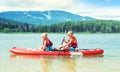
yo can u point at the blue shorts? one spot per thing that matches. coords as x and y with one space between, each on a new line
49 48
72 49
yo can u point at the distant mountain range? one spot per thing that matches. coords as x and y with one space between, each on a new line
45 17
7 21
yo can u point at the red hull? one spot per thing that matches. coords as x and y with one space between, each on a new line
25 51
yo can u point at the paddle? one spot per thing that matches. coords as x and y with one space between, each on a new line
61 47
61 44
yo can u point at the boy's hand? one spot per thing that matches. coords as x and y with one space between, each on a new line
63 39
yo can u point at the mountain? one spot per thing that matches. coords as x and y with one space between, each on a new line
7 21
42 17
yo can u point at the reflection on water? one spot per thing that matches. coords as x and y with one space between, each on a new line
13 56
52 63
46 64
68 64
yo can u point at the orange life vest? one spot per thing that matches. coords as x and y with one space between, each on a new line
49 43
74 42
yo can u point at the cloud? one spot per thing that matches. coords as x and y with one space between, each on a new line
74 6
107 13
35 4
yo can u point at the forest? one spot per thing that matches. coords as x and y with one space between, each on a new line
92 26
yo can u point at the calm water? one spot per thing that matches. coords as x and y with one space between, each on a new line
110 62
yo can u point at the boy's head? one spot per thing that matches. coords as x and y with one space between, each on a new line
70 33
44 35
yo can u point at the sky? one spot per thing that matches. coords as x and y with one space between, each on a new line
100 9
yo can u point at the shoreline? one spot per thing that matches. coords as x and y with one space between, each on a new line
55 33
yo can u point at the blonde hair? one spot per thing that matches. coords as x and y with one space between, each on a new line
70 32
44 34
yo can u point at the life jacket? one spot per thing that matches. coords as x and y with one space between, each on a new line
73 43
49 43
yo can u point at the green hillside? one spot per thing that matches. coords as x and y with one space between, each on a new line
92 26
7 26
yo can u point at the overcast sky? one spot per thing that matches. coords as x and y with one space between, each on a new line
100 9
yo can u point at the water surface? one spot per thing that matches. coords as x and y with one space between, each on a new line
110 62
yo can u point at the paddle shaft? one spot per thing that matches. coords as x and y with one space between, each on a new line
61 47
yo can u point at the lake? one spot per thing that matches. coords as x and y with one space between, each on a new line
108 62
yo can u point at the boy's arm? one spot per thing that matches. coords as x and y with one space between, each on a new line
44 46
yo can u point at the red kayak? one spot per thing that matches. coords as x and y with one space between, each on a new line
27 51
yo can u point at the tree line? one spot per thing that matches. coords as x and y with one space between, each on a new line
92 26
